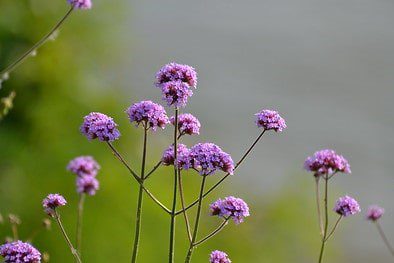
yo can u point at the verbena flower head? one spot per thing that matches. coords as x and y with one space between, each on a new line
98 125
81 4
374 212
87 185
326 162
347 206
53 201
153 114
20 252
83 166
182 155
270 120
219 257
230 207
208 158
176 93
176 72
187 124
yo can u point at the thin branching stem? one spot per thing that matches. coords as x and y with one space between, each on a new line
317 180
153 170
334 228
323 242
189 232
384 238
42 41
224 178
213 233
73 250
81 202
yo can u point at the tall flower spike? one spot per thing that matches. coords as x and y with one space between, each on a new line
98 125
327 162
230 207
347 206
176 72
53 201
81 4
20 252
87 184
219 257
270 120
83 166
153 114
208 158
187 124
374 212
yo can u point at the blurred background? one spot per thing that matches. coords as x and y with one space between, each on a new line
326 66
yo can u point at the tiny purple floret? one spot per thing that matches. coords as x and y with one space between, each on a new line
176 93
153 114
230 207
53 201
176 72
326 162
219 257
83 166
346 206
374 212
182 155
270 120
187 124
100 126
20 252
81 4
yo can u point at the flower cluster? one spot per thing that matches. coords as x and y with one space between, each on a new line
98 125
270 120
148 113
20 252
374 212
230 207
219 257
86 168
326 162
187 124
208 158
53 201
81 4
346 206
182 155
175 81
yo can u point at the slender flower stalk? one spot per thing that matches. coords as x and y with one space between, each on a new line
153 170
81 202
73 250
317 179
334 228
323 242
213 233
140 199
197 221
189 233
174 201
384 238
224 178
5 73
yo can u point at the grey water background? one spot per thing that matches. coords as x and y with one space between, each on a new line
325 65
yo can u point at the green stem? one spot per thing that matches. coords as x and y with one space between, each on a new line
189 233
73 250
224 178
213 233
323 243
196 224
384 238
174 201
140 200
318 206
334 228
79 221
42 41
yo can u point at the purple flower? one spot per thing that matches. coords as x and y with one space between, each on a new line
374 212
230 207
83 166
208 158
327 162
176 93
270 120
347 206
154 115
51 202
87 184
20 252
187 124
81 4
219 257
182 155
176 72
98 125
